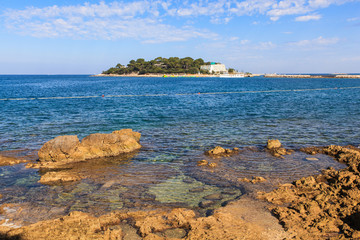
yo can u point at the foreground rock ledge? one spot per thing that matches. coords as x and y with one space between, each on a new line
325 206
68 148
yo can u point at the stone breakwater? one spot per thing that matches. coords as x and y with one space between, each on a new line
311 76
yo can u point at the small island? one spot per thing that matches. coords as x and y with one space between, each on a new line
170 67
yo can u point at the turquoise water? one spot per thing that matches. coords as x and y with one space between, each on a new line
180 121
177 124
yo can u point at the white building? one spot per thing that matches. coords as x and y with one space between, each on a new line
214 68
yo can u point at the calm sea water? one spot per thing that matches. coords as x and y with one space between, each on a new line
177 124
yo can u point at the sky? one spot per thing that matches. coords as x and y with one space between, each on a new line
258 36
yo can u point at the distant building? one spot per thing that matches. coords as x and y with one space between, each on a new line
214 68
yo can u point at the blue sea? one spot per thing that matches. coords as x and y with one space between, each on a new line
179 118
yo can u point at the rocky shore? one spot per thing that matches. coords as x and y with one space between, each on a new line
322 206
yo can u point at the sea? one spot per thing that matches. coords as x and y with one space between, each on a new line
179 119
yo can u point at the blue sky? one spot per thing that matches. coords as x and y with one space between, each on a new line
259 36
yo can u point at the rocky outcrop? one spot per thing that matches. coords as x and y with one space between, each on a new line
64 149
274 147
225 223
59 177
322 206
221 152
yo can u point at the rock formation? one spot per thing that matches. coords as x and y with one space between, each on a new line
323 206
274 147
65 149
5 161
221 152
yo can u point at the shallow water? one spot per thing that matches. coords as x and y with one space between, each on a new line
177 125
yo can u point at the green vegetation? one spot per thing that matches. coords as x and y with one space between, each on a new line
160 65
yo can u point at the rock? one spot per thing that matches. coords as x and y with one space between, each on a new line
258 180
8 161
315 206
243 180
59 177
206 203
273 143
212 165
1 196
196 190
64 149
229 192
274 147
202 162
221 152
312 159
214 196
176 233
216 151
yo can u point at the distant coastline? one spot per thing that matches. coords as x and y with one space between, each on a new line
340 76
312 75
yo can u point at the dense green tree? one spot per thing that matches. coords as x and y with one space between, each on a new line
160 65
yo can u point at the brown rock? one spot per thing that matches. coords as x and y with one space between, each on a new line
202 162
258 180
273 143
6 161
212 165
214 196
59 177
216 151
64 149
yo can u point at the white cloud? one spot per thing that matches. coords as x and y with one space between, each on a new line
308 18
145 19
137 20
354 19
317 42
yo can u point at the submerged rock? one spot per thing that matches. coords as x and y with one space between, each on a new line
59 177
64 149
7 161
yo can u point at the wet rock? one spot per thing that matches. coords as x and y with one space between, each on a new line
275 149
212 165
214 196
59 177
64 149
312 159
258 180
273 143
7 161
243 180
207 203
188 180
196 190
229 192
216 151
221 152
202 162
